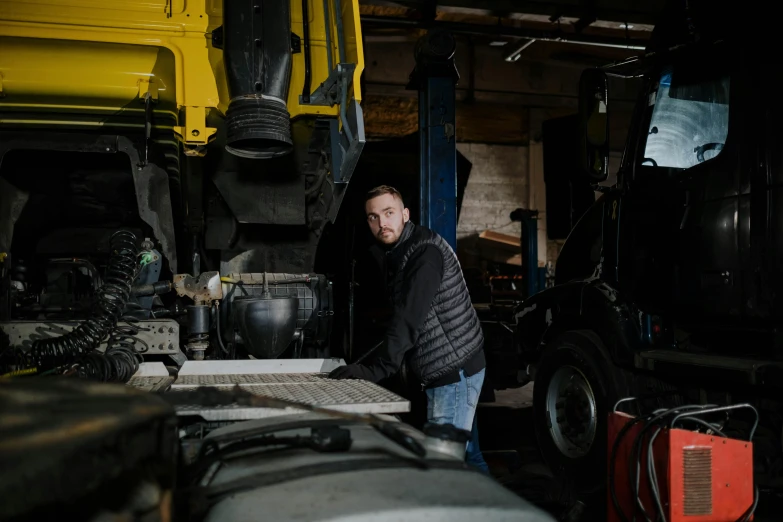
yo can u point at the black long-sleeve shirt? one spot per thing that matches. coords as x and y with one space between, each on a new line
421 279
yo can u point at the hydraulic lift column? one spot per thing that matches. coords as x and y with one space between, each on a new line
435 77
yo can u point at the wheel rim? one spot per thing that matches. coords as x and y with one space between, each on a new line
571 412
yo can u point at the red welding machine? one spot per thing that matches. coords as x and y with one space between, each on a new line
700 477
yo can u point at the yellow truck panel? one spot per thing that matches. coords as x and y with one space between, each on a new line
96 59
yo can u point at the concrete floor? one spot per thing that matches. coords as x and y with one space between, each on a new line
508 442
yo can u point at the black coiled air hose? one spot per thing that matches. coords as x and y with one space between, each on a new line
120 361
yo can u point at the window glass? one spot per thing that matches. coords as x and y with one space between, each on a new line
690 118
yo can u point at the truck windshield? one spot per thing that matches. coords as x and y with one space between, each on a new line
690 117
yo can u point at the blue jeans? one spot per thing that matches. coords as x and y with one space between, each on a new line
473 454
456 404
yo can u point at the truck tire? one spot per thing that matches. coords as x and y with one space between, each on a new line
575 387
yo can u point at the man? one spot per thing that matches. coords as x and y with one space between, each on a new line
434 325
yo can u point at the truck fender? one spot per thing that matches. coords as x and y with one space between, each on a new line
592 305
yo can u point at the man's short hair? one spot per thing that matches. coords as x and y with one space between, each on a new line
383 190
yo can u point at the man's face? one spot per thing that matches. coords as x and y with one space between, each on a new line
386 217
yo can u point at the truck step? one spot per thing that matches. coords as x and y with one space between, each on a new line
739 369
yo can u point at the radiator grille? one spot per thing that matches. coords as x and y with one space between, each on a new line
697 481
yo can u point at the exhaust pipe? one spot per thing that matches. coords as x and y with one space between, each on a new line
257 58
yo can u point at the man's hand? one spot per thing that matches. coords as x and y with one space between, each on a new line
352 371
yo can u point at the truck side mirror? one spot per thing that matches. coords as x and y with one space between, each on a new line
594 124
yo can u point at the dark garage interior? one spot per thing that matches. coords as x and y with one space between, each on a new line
390 260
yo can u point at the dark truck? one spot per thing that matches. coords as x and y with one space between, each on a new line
669 287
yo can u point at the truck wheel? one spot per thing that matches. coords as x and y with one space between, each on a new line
575 387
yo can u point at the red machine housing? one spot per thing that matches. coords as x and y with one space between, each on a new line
701 478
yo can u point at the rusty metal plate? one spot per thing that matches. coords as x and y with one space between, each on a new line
202 289
155 336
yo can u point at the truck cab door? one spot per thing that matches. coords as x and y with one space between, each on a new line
768 201
688 191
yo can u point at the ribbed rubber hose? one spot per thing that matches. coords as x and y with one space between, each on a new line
120 361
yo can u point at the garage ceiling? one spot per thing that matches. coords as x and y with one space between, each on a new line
596 31
519 61
608 10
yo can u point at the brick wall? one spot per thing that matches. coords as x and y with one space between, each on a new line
498 184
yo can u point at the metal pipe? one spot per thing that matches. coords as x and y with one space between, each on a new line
351 287
289 281
328 31
502 31
52 309
343 113
95 277
306 51
338 17
514 56
161 287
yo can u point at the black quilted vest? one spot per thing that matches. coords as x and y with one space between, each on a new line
451 334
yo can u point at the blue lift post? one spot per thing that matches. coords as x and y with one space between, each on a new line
535 277
435 77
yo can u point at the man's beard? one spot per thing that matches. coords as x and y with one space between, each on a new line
389 239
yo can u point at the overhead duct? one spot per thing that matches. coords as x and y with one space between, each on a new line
257 59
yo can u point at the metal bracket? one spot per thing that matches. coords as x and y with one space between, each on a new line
296 44
154 336
149 273
345 154
202 289
330 91
217 40
148 96
195 135
147 90
217 37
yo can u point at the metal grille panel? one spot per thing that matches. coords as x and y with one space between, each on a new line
325 393
314 389
697 481
151 384
155 336
250 379
308 301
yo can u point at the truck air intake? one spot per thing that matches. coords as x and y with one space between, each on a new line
257 58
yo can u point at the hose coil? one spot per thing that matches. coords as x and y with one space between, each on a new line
121 360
